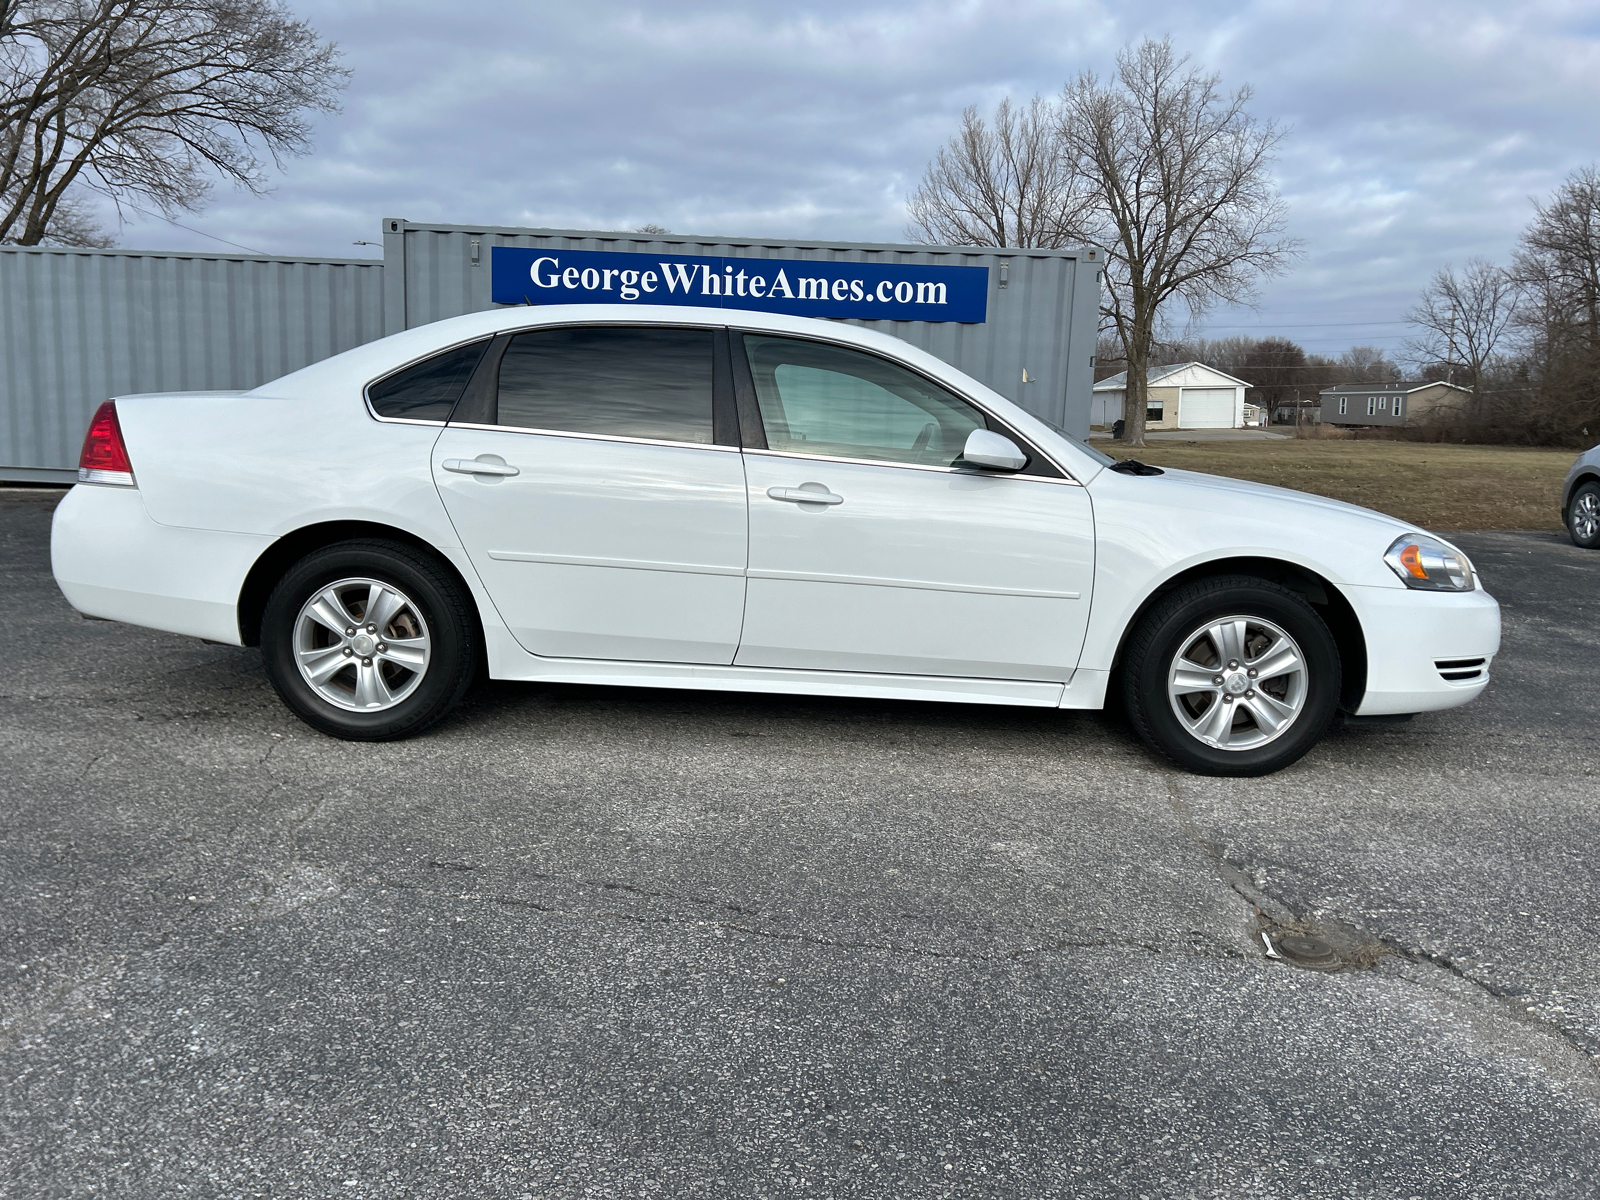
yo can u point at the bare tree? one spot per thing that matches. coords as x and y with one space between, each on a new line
148 99
652 228
1183 204
1003 184
1463 319
1276 370
1560 254
1366 364
1558 267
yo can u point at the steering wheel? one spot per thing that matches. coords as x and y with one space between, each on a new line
925 436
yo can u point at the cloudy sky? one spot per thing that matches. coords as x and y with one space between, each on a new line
1419 132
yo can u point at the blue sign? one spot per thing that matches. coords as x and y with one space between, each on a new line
799 287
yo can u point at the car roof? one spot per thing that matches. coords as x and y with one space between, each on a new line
373 359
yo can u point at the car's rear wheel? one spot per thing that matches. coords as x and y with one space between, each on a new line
1583 516
369 640
1231 676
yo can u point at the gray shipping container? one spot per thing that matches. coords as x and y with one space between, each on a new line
78 326
1043 312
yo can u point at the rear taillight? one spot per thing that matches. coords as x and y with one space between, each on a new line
105 457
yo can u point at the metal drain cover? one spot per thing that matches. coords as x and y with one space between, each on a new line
1309 952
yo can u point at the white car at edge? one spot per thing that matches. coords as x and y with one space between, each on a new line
699 498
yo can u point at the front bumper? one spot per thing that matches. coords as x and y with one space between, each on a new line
1425 650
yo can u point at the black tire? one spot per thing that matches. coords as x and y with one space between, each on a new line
1170 626
434 594
1586 501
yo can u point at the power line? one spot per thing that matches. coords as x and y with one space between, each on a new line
191 229
1314 325
1377 337
1259 369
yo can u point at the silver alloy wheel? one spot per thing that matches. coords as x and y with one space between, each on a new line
1586 516
361 645
1238 683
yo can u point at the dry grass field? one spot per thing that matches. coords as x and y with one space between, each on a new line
1436 486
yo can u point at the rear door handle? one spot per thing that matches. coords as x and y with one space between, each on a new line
471 466
801 495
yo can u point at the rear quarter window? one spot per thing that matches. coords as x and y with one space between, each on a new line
428 390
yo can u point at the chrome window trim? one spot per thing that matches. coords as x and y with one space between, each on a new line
437 350
1067 476
1066 480
592 437
940 383
403 420
366 387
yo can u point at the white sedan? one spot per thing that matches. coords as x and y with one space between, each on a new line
699 498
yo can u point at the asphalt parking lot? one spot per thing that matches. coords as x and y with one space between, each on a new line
585 942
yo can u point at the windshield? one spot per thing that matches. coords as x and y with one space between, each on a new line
1105 460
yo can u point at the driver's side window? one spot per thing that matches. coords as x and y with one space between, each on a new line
830 400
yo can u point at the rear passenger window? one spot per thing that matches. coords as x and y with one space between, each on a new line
428 390
617 382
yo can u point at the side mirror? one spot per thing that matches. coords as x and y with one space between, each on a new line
986 448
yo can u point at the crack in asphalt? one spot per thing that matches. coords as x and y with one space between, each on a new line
1581 1042
1230 873
638 891
1056 946
609 885
1276 911
312 809
271 750
1053 945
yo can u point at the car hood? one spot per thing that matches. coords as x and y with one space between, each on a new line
1244 488
1179 518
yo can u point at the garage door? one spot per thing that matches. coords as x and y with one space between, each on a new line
1205 408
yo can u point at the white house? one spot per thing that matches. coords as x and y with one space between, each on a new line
1187 395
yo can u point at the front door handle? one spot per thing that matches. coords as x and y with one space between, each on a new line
471 466
813 493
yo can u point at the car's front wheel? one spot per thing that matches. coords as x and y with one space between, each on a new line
1583 516
1232 676
369 640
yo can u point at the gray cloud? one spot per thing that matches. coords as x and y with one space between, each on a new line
1418 132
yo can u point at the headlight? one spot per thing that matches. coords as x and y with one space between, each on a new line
1427 563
